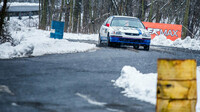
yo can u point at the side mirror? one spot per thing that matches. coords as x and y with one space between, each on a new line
108 25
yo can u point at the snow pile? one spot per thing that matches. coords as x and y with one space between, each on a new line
189 43
137 85
81 36
30 41
22 50
143 86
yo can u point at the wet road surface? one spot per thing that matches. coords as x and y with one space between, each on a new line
79 82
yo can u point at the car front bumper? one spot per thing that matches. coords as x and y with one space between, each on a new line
124 40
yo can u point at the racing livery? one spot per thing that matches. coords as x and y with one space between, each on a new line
118 30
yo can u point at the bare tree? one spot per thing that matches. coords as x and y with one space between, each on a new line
43 21
186 18
4 34
87 16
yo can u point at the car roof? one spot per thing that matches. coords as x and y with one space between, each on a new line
124 16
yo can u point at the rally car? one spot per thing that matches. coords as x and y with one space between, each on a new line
117 30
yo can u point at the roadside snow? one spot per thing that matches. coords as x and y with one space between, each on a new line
143 86
137 85
30 41
81 36
189 43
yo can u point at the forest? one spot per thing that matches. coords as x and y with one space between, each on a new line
86 16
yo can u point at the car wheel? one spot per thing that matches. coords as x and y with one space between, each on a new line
146 47
99 41
136 46
117 45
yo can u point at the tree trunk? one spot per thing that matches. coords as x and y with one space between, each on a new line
192 18
2 17
44 15
4 34
67 15
39 12
158 13
86 15
76 15
51 10
71 15
143 11
186 19
61 10
151 12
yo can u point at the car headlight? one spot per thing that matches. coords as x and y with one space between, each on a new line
116 32
146 34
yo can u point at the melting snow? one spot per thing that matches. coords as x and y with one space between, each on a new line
31 41
143 86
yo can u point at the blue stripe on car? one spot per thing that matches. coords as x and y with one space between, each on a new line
130 40
140 32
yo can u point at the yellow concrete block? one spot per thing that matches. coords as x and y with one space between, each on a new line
177 89
176 105
176 69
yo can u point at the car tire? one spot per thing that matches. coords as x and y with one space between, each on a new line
117 45
136 46
146 47
99 41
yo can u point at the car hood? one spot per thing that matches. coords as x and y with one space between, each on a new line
129 30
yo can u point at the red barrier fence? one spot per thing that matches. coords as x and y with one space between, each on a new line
171 31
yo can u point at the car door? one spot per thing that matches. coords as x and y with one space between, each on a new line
103 29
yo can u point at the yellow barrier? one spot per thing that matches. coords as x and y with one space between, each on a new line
176 86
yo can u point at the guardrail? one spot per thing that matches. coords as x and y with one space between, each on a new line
22 11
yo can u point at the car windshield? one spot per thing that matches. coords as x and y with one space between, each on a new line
126 22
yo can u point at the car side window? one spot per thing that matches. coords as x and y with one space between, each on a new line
110 19
105 21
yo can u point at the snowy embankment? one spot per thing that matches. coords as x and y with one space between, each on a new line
188 43
30 41
81 36
143 86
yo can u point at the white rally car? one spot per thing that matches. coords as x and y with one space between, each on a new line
118 30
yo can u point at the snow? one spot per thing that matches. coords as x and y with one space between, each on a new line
188 43
81 36
30 41
143 86
140 86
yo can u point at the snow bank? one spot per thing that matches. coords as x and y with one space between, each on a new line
81 36
137 85
30 41
22 50
189 43
143 86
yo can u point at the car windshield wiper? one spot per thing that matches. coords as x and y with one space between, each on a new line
131 26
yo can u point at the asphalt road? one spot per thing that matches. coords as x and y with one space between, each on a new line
79 82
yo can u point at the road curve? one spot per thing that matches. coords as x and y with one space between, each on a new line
79 82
